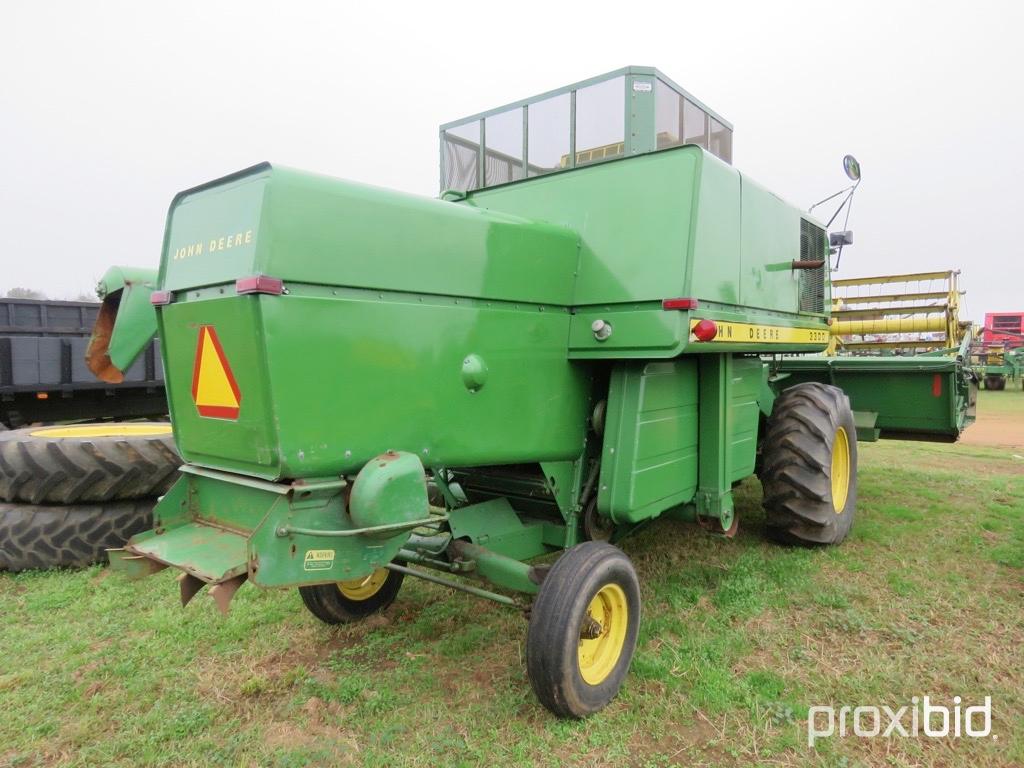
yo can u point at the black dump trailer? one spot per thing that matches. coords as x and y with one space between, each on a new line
44 377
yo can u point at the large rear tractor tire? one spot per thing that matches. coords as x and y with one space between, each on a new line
995 383
348 601
809 465
583 629
74 536
87 463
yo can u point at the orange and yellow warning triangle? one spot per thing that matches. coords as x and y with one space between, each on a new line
214 388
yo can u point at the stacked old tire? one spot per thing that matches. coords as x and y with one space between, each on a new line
69 493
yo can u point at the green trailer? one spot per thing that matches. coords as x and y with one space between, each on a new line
593 326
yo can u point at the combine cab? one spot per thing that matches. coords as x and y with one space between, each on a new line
584 333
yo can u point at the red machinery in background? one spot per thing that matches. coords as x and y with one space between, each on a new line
1005 328
1000 355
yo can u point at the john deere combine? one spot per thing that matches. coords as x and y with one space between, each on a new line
568 344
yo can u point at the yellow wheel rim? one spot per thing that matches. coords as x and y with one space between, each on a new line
601 642
840 470
104 430
364 589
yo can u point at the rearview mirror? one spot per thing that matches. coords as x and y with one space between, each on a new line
852 167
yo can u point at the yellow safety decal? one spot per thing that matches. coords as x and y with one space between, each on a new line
749 333
214 388
318 560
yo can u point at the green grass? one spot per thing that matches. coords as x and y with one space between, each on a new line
739 638
1005 403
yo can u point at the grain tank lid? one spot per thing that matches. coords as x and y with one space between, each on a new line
252 170
308 228
212 230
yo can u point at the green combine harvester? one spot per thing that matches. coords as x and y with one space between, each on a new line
600 322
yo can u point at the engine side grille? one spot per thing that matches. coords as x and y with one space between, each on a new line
812 281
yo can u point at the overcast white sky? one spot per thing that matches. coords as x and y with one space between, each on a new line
109 108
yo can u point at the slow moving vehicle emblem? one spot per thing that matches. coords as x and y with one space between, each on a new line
214 388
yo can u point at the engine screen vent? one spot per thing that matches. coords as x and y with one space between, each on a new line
812 281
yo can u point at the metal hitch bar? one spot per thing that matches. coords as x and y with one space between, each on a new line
288 530
503 599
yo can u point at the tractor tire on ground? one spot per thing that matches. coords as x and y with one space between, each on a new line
809 465
348 601
34 536
995 383
87 463
583 629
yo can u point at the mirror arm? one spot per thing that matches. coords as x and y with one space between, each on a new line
833 197
848 202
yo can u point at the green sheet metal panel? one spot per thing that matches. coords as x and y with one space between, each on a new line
211 553
388 374
213 231
679 222
406 324
728 414
769 225
744 414
674 223
129 290
633 218
649 460
302 227
494 524
216 525
247 443
716 261
330 378
650 332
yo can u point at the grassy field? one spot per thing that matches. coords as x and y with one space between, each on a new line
739 638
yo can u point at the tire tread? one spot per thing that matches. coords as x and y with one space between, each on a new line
73 536
796 465
550 663
39 470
